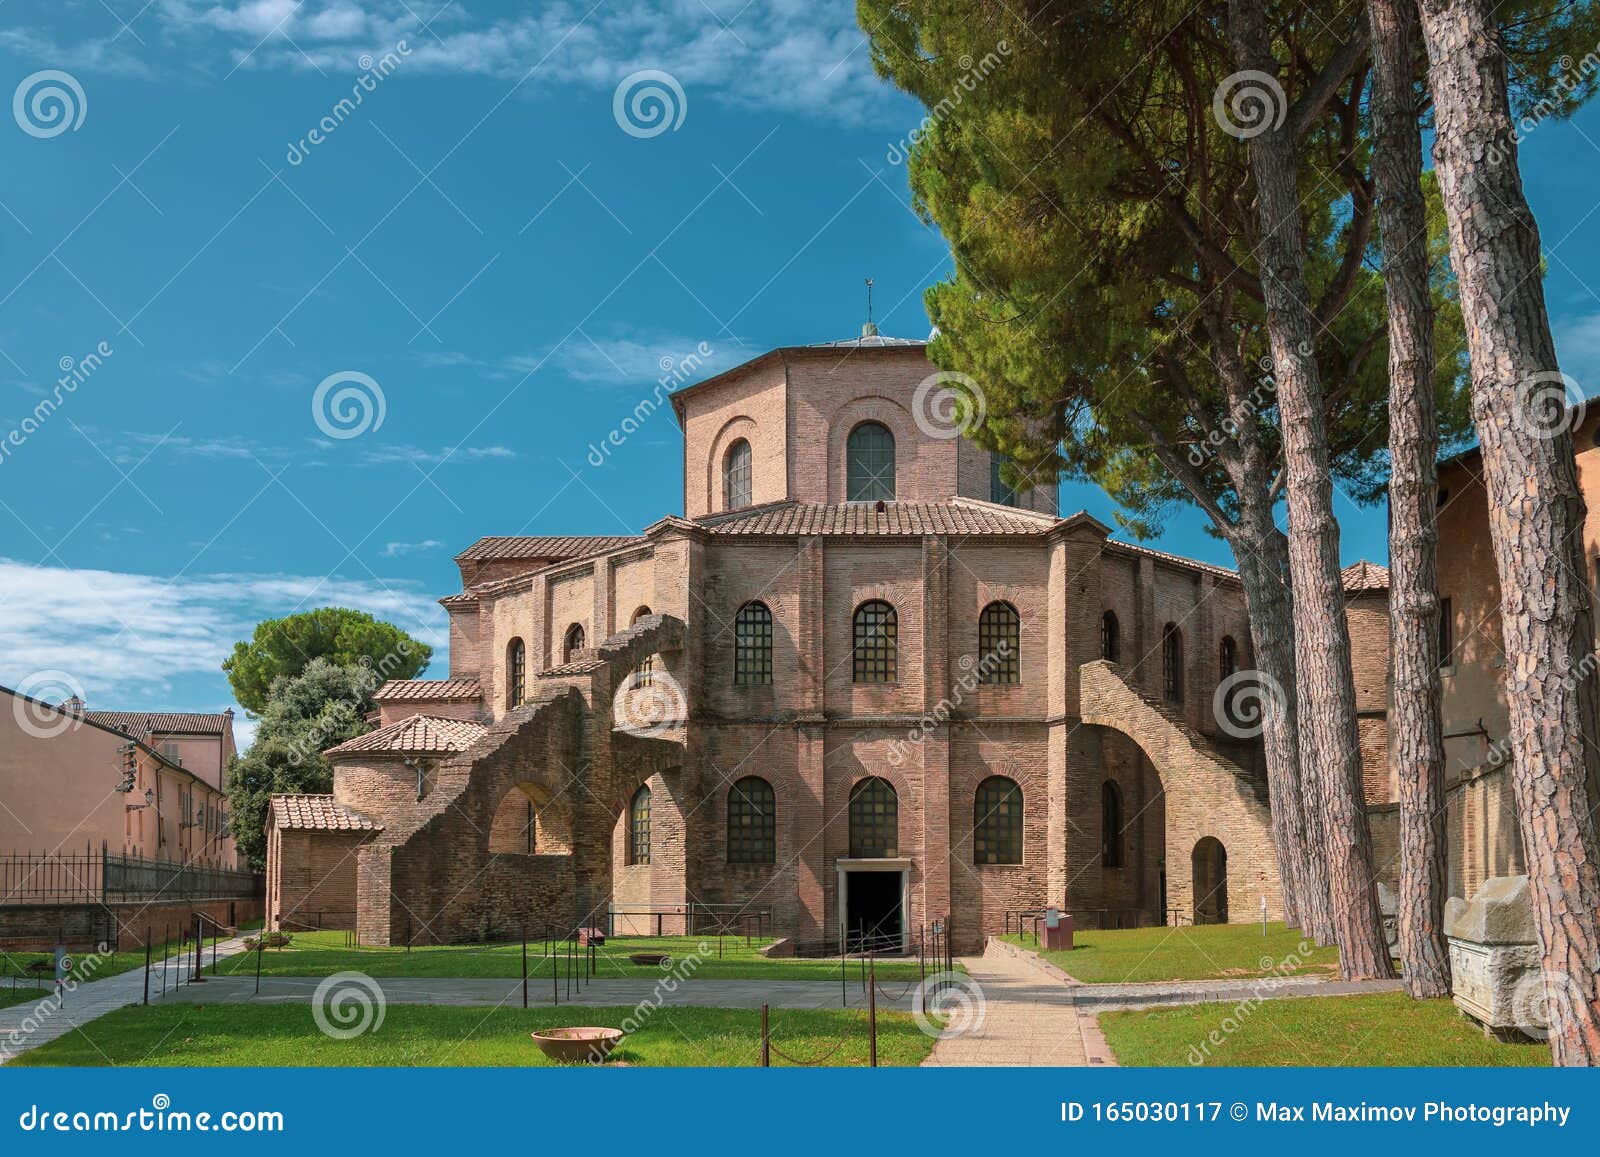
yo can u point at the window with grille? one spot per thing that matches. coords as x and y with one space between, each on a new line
869 463
516 673
639 827
645 672
1110 637
752 822
1172 663
572 643
999 641
875 638
736 476
874 820
1110 824
999 491
752 646
997 822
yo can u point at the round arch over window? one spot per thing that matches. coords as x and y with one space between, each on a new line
1110 824
752 822
645 672
752 645
874 820
999 644
997 822
875 633
639 827
516 673
869 463
737 476
572 642
1110 637
1172 663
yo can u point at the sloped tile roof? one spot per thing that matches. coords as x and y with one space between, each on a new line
143 724
956 516
437 689
1175 559
415 735
870 341
318 813
1365 576
544 546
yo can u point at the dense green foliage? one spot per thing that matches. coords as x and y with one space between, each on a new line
344 637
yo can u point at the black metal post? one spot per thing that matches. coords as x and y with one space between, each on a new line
766 1041
147 949
872 1010
524 966
261 942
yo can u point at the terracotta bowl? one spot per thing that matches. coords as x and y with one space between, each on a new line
655 959
573 1046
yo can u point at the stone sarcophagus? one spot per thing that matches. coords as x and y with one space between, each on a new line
1494 959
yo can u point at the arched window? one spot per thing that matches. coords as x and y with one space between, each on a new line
1172 663
876 633
1110 824
752 645
874 820
1228 657
1110 637
999 643
646 670
572 642
869 463
998 490
516 673
997 822
736 476
639 827
752 822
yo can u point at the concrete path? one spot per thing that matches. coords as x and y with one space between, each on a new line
1106 997
1028 1018
29 1025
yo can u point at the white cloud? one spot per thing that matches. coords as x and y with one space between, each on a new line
637 360
397 549
129 638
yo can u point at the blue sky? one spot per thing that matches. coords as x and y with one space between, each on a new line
481 238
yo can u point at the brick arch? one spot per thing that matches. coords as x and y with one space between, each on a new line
735 428
873 408
1206 794
528 803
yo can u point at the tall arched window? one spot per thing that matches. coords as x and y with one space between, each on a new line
874 820
1110 824
876 635
736 476
752 822
646 670
999 644
1228 657
516 673
1172 663
997 822
1110 637
572 642
639 826
869 463
752 645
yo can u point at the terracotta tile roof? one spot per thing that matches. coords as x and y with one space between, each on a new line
415 735
438 689
318 813
544 546
575 667
957 516
143 724
1365 576
1175 559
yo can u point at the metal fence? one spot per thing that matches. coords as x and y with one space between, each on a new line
102 877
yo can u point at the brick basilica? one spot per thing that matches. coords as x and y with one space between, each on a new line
859 685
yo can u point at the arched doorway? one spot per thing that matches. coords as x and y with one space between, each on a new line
1210 863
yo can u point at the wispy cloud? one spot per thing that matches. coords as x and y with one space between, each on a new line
399 549
639 359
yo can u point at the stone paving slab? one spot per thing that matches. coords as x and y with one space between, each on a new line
1028 1019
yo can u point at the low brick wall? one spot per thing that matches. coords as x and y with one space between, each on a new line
81 927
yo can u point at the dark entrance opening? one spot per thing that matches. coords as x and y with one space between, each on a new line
873 917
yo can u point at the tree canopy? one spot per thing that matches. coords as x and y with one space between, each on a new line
344 637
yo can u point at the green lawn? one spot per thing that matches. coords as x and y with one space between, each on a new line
324 953
1207 952
22 994
285 1035
86 965
1330 1031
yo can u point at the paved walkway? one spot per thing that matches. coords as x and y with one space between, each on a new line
27 1026
1106 997
1028 1019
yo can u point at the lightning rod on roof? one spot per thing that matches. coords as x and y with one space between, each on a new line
869 330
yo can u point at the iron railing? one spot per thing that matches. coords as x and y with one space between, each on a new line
102 877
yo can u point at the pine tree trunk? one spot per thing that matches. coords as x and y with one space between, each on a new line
1416 741
1536 511
1322 635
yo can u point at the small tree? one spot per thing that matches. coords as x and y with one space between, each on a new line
343 636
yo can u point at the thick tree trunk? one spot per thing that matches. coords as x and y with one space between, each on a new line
1416 742
1322 635
1536 511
